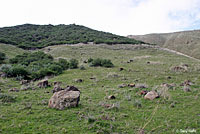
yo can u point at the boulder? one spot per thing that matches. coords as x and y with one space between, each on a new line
64 99
57 88
43 84
143 92
151 95
186 83
111 97
186 89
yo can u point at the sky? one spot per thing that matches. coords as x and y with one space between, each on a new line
122 17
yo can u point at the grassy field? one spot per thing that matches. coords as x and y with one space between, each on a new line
175 111
10 50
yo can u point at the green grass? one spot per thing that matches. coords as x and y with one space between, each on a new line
10 50
30 112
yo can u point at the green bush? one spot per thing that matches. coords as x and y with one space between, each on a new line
63 63
18 71
101 62
2 56
73 63
107 63
36 65
5 68
56 69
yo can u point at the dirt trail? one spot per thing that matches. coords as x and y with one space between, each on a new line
173 51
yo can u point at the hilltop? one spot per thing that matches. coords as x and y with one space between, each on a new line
186 42
29 36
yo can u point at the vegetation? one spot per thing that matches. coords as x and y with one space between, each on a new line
2 57
186 42
36 65
10 50
30 36
100 62
128 113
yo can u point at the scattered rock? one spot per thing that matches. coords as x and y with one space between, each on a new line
141 86
64 99
29 87
143 92
121 69
151 95
130 60
122 86
92 78
186 83
57 83
78 80
186 89
131 85
107 105
71 88
14 90
169 77
111 97
148 62
43 84
57 88
179 68
22 82
168 85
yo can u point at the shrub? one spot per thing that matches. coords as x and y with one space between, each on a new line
2 57
56 69
90 60
96 62
63 63
100 62
82 67
5 68
73 63
18 71
107 63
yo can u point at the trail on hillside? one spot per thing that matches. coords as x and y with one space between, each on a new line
176 52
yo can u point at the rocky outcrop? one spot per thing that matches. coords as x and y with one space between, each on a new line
69 97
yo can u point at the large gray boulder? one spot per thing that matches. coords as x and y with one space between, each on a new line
151 95
64 99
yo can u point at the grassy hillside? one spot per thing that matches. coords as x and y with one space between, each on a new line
38 36
187 42
176 110
10 50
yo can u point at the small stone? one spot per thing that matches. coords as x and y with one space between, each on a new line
131 85
122 86
78 80
111 97
151 95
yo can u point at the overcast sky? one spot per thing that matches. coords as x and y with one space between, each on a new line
122 17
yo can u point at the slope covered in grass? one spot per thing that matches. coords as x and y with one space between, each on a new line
10 50
186 42
130 113
37 36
